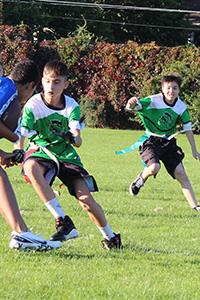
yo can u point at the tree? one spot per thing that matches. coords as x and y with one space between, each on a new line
111 24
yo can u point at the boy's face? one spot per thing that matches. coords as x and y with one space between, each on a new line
53 86
171 91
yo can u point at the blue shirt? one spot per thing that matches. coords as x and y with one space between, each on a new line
8 93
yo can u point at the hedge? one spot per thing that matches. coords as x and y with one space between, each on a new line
104 75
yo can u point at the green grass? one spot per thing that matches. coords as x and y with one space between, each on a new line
160 233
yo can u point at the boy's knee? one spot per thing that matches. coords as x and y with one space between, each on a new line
180 175
30 167
154 168
86 202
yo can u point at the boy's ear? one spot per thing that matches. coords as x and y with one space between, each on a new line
32 85
29 85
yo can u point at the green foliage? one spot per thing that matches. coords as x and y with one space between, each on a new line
113 25
94 112
75 45
14 13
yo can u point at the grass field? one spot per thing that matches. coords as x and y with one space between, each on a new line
160 233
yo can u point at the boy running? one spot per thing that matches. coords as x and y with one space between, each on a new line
13 90
160 115
51 122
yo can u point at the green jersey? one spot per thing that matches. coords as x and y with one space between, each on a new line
40 121
161 118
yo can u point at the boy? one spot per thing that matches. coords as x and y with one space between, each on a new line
51 122
13 90
160 115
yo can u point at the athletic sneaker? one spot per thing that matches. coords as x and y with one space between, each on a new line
197 208
136 185
113 243
29 241
65 230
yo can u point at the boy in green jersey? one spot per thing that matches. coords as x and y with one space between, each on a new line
51 121
160 114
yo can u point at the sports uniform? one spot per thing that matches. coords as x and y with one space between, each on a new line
160 120
41 123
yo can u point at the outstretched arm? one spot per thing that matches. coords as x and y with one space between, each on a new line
131 103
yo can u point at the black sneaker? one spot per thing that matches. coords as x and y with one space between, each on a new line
136 185
65 230
113 243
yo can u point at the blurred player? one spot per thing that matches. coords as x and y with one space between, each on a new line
16 88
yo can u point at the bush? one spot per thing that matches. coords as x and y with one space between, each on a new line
105 75
114 72
93 111
15 44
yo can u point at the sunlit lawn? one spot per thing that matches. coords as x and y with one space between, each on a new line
160 233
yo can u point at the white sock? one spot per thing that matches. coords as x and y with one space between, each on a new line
107 232
55 208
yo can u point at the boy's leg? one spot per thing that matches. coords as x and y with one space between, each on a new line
150 153
21 238
139 181
8 205
187 189
96 214
88 203
36 174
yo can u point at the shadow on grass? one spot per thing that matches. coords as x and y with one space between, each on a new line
74 256
142 249
131 214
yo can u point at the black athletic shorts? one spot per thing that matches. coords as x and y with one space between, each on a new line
68 174
156 149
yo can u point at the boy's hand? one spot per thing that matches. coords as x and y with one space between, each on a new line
131 103
6 159
67 136
18 156
196 155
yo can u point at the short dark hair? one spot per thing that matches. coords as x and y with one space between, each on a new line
26 71
58 67
172 77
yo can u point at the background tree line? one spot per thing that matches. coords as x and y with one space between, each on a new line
112 25
103 74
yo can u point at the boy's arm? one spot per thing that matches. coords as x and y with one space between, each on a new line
132 102
77 137
73 136
20 143
6 158
6 133
190 137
